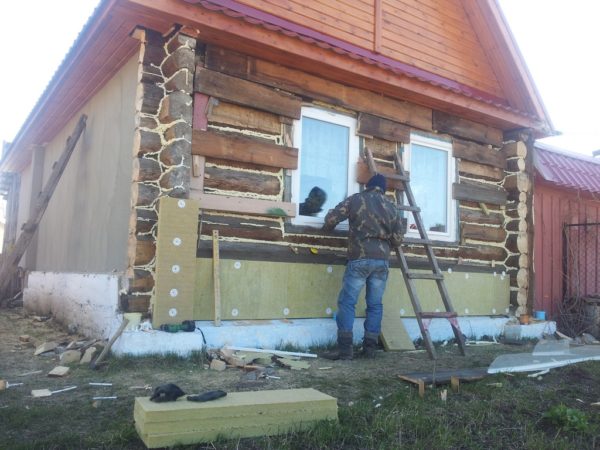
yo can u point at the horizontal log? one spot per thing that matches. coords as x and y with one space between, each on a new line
518 181
237 147
243 205
246 92
317 88
382 148
483 233
146 169
515 149
143 194
134 303
242 165
523 278
243 228
142 281
512 261
516 225
515 165
517 243
363 174
474 152
478 216
479 192
482 252
473 169
370 125
223 113
141 252
236 180
457 126
312 240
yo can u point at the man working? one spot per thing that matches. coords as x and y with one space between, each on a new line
375 227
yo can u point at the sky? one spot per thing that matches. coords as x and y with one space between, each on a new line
558 38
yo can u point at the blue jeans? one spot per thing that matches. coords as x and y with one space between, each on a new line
373 272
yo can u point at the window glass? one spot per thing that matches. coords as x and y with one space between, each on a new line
429 181
324 163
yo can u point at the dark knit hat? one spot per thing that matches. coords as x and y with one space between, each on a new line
377 180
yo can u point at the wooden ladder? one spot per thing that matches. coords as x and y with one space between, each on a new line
423 318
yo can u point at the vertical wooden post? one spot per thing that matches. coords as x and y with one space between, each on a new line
377 22
216 278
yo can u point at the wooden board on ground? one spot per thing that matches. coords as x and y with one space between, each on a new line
239 414
445 376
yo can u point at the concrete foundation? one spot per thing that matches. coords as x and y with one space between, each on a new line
303 333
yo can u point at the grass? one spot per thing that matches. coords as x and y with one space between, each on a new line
376 409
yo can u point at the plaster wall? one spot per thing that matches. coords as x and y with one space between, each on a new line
85 226
87 301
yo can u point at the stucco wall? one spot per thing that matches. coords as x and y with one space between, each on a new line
85 226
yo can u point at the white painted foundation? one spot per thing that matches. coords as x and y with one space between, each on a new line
303 333
87 301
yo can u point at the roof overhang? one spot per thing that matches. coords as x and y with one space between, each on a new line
105 44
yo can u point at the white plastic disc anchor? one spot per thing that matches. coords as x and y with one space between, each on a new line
173 312
181 203
237 265
234 312
286 311
176 242
175 268
173 292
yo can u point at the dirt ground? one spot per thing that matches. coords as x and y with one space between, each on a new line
344 380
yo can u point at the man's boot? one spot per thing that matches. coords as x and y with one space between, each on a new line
344 348
370 342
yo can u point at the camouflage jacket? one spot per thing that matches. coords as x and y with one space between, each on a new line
375 224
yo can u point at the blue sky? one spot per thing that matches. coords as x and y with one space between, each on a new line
558 38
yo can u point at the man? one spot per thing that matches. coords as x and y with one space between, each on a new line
375 227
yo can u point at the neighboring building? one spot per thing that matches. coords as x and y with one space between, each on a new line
239 108
567 227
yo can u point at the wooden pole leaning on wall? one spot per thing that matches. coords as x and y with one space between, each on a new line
216 277
11 262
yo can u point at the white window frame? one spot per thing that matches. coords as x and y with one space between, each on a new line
353 154
444 145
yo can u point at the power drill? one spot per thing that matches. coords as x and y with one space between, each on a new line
186 325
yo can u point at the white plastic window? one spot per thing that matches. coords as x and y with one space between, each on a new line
328 152
431 168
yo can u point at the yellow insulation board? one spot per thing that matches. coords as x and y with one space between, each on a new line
175 277
239 414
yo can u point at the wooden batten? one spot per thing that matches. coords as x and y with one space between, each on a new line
229 114
240 181
479 192
363 174
374 126
246 92
454 125
477 153
235 147
480 170
244 205
317 88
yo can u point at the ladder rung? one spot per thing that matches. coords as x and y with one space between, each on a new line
438 315
424 276
397 176
409 208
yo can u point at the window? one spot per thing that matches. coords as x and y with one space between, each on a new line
328 152
431 168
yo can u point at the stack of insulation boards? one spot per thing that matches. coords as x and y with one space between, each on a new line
239 414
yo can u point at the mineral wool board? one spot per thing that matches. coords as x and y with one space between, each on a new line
277 290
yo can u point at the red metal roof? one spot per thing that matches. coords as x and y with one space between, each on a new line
567 169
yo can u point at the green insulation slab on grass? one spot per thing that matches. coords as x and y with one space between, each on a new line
239 414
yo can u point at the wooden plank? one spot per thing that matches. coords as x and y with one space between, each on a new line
216 278
200 120
454 125
237 147
246 93
197 178
28 232
363 174
226 179
479 192
318 88
483 233
224 113
444 376
244 205
377 26
478 153
371 125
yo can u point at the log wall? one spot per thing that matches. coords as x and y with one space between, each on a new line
245 144
161 153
